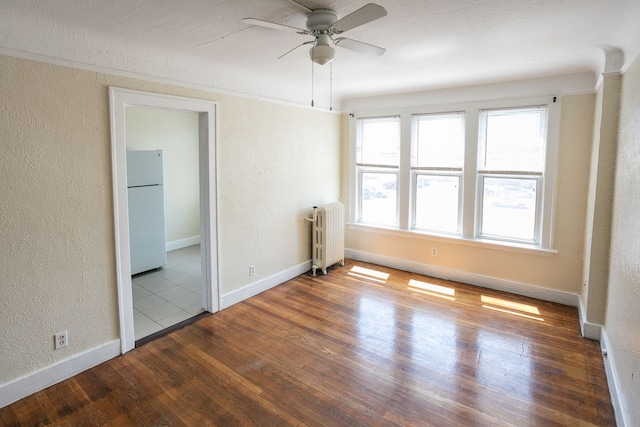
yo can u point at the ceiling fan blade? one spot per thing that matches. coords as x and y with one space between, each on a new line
367 13
267 24
300 45
360 47
306 9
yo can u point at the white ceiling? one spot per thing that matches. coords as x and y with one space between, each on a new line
430 44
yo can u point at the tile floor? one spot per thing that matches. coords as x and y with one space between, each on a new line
164 297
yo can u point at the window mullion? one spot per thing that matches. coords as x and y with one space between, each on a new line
469 174
404 188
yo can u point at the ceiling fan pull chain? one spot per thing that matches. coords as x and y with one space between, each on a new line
331 86
312 95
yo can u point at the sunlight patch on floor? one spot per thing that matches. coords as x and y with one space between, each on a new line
369 274
432 289
511 307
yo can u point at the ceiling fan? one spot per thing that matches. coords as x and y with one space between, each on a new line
323 24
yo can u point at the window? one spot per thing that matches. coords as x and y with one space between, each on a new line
378 162
511 151
481 172
436 171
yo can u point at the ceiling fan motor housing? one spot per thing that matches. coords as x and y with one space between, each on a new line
320 25
320 20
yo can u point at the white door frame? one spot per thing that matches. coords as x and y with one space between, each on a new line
207 112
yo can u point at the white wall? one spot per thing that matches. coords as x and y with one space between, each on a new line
176 133
622 321
57 258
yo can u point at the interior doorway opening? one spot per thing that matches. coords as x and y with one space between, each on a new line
163 194
168 292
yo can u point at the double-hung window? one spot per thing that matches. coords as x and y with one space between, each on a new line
436 171
378 163
482 172
511 160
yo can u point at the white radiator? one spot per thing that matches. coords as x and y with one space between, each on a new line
327 236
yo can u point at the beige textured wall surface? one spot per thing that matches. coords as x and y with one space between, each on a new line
591 197
57 258
176 133
56 215
600 202
276 162
622 321
563 271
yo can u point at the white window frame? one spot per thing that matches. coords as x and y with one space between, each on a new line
470 203
363 168
538 176
434 171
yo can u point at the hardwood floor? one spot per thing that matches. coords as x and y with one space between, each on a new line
363 346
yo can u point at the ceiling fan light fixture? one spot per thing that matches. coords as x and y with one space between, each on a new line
322 54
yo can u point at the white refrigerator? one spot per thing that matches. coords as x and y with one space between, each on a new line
146 210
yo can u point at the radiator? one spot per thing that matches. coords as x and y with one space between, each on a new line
327 236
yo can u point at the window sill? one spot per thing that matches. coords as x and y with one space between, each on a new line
481 243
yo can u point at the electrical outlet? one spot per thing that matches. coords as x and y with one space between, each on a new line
252 270
434 251
60 340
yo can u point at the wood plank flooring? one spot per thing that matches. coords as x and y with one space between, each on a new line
363 346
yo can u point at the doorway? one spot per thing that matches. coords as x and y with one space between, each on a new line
163 194
125 104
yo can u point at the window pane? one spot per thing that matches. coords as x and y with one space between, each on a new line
378 198
437 199
512 140
379 141
509 208
439 141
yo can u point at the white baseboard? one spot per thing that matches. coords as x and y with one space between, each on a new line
234 297
589 330
612 380
518 288
22 387
182 243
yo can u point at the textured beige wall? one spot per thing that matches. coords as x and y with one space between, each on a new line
57 260
562 272
591 198
600 200
176 133
622 321
276 163
56 215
